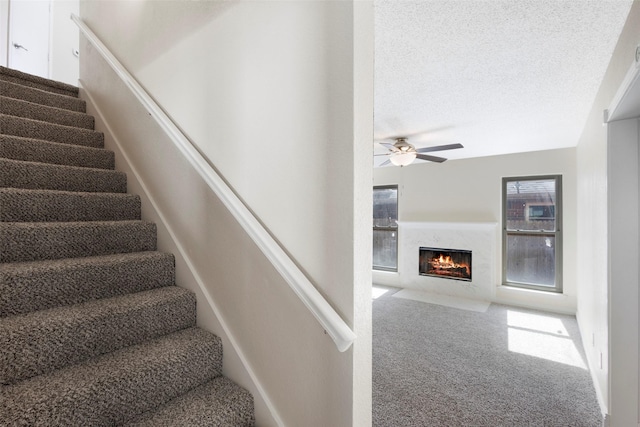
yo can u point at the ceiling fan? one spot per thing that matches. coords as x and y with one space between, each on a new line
402 153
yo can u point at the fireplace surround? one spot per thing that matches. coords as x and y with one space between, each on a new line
481 238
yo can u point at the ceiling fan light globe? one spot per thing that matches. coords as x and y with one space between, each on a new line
403 159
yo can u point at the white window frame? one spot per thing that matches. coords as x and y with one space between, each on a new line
557 234
389 228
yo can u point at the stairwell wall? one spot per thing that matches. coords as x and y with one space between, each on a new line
268 92
593 275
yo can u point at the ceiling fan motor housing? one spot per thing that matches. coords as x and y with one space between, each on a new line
402 145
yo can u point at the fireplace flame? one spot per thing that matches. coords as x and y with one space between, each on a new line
446 263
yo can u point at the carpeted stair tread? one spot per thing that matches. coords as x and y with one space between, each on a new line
33 111
32 241
26 205
25 79
40 285
46 340
220 402
27 128
43 97
37 150
115 387
93 329
44 176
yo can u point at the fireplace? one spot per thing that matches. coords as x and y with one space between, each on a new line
446 263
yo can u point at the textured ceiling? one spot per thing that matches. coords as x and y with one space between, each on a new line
496 76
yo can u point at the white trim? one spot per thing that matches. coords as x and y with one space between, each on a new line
623 212
633 74
50 39
332 323
184 254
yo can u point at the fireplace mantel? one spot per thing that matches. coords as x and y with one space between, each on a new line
479 237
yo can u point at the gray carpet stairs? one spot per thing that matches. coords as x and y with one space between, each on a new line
93 329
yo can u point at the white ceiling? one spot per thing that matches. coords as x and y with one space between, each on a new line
498 76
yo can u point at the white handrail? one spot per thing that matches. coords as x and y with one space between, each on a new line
332 323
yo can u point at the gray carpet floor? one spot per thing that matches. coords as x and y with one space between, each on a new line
441 366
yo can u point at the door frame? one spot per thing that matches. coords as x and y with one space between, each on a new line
4 34
623 192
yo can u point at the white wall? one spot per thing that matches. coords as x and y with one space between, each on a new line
363 101
593 314
64 65
269 93
469 190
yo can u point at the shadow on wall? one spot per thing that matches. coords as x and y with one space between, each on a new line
160 24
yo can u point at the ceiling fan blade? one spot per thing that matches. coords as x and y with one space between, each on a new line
389 146
430 158
383 154
385 163
439 148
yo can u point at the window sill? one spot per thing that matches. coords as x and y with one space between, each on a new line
536 299
379 270
525 289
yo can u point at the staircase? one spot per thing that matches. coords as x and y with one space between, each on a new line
93 330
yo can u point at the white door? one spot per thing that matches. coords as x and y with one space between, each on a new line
29 22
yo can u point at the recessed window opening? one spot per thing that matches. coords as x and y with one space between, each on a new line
532 232
385 228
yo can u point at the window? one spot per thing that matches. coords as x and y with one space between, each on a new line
532 236
385 228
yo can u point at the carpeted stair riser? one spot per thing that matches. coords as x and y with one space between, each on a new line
219 402
36 150
36 129
46 340
29 241
40 285
116 387
20 205
91 322
29 80
42 97
32 175
33 111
